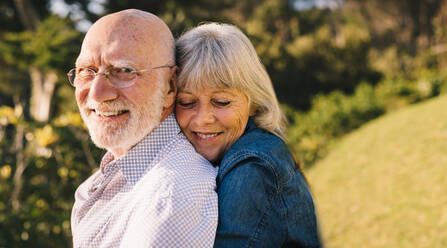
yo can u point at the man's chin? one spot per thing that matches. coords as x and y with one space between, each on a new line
119 140
107 142
106 137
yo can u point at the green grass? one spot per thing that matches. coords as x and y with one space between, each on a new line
385 184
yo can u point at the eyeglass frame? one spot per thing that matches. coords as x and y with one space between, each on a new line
107 73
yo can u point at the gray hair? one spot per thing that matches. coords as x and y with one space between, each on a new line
221 56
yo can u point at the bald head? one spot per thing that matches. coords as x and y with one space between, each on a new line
141 31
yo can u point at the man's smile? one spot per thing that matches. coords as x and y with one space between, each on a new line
109 113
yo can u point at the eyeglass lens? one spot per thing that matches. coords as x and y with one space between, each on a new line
118 77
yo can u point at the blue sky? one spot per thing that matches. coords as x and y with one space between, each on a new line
308 4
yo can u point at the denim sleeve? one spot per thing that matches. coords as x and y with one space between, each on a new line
255 211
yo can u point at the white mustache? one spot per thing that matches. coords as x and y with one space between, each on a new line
109 106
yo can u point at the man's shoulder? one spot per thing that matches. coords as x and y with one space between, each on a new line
182 171
92 179
182 157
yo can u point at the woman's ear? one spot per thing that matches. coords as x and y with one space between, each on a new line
251 108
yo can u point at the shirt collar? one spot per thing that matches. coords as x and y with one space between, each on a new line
250 125
138 159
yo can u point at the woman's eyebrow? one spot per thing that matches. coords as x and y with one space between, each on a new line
184 92
225 92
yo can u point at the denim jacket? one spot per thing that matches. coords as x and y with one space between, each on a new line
264 200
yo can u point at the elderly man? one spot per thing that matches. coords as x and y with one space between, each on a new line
152 188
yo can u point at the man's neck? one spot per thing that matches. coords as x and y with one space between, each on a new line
118 152
166 112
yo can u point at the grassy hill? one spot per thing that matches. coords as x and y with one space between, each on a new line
385 185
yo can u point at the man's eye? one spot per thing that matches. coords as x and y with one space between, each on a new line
121 70
84 72
127 70
123 74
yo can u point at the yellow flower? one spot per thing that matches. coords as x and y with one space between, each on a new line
5 171
71 118
46 136
7 115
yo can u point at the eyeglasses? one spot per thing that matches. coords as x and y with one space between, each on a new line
118 77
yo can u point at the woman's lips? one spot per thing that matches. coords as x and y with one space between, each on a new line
207 136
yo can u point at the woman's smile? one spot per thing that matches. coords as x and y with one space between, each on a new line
206 136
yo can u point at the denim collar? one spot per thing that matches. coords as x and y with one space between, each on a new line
251 125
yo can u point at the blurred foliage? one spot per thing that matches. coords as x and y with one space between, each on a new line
47 47
330 117
308 53
59 156
333 69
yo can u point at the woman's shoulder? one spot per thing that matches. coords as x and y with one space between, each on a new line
260 150
257 141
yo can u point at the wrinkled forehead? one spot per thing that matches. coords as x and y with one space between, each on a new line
126 36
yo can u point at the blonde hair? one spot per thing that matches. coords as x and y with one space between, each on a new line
221 56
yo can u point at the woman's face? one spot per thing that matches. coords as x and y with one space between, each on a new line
212 119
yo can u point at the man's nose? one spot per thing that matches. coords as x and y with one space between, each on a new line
101 90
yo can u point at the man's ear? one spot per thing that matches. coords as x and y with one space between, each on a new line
171 89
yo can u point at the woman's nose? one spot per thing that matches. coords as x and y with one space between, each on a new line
205 115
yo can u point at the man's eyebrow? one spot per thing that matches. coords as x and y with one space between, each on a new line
83 62
118 63
123 63
86 61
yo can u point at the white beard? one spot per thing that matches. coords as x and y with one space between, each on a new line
124 135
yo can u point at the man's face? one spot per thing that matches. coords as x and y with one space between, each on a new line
118 118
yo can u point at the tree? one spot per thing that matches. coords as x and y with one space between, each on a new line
409 23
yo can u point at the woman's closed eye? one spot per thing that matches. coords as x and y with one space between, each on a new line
221 103
186 104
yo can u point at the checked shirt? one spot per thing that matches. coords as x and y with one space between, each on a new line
161 193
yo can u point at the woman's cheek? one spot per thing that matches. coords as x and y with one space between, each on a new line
181 117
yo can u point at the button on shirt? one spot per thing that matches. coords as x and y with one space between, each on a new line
161 193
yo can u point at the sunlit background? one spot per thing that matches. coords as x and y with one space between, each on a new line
363 83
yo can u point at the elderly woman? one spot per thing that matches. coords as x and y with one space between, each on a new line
227 108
